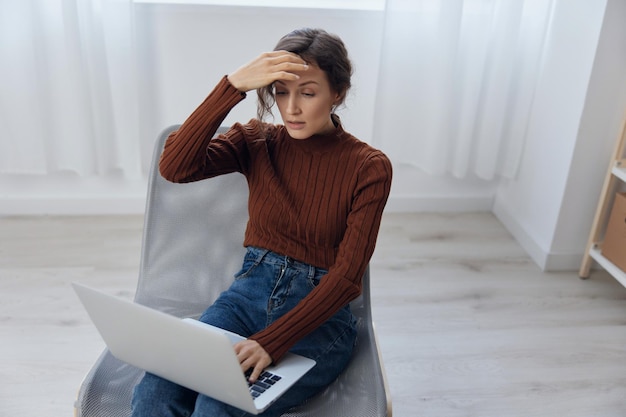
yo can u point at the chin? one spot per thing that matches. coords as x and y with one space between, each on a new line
298 134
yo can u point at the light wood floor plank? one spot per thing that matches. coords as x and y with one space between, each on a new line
468 325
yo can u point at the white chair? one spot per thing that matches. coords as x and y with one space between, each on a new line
192 246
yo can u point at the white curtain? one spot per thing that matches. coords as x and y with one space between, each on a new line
457 81
69 99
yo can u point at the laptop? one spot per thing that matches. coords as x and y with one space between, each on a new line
186 351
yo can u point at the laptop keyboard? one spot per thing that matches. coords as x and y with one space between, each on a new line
265 381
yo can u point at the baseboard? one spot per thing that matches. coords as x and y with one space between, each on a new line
564 262
546 260
135 204
72 206
423 204
538 254
71 195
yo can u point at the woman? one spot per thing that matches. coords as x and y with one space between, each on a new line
316 199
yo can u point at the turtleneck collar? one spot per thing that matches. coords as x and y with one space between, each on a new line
321 142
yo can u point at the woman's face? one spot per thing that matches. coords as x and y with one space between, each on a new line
305 104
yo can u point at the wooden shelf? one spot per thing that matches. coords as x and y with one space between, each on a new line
619 171
609 266
615 178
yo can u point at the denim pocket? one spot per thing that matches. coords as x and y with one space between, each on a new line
245 271
314 281
251 260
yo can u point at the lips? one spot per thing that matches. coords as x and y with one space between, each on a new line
295 125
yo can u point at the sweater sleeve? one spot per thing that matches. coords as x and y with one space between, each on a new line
343 283
191 153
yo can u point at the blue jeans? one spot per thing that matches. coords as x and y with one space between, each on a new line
268 286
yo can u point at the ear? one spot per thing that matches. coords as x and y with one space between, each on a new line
338 98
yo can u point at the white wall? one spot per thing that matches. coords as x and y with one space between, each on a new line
575 120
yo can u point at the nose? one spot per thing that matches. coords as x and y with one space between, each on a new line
293 106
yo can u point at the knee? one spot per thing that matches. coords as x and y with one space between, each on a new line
154 396
210 407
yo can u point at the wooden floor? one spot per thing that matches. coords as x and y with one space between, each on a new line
468 325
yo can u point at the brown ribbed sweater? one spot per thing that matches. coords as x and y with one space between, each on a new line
318 200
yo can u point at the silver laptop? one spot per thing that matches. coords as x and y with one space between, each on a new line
186 351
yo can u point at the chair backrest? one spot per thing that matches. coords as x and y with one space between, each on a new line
193 239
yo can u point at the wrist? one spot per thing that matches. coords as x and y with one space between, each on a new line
235 83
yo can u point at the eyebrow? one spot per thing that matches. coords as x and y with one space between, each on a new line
299 85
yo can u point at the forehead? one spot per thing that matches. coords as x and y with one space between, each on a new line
311 77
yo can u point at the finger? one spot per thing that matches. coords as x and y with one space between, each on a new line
241 352
287 55
291 66
289 62
256 372
252 369
246 366
285 76
288 72
245 354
